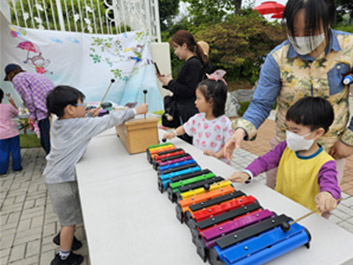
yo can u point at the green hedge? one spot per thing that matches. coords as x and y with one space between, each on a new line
29 141
347 28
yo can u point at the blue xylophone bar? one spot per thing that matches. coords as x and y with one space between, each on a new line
178 164
165 178
262 248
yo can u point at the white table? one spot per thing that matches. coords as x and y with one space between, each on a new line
128 221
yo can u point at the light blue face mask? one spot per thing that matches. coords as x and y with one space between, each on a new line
297 142
305 45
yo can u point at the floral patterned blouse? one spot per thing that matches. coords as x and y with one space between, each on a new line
287 77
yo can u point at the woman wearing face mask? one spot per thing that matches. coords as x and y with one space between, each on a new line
191 73
312 62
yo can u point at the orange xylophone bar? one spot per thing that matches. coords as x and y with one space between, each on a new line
183 206
152 151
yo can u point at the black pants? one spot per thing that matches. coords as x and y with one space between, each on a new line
44 127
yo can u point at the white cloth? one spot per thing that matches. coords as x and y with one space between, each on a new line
88 62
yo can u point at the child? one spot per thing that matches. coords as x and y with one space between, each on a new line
306 173
70 135
210 128
9 136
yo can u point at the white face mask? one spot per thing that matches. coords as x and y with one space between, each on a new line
297 142
305 45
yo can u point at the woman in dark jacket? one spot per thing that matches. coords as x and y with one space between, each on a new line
191 73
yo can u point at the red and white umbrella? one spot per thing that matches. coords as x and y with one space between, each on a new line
269 7
277 15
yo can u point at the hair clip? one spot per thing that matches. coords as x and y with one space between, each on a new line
217 75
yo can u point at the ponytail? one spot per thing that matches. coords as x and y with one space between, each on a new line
201 54
183 36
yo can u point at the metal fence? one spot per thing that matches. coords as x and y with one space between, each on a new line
89 16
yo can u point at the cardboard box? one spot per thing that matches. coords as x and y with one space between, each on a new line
138 134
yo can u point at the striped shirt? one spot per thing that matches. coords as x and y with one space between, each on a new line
34 88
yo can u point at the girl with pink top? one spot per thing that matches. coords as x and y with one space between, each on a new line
210 128
9 136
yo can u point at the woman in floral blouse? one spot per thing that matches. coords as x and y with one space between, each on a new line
312 62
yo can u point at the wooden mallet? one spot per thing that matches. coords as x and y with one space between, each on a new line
106 92
144 100
286 226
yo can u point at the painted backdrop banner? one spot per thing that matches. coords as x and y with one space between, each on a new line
88 62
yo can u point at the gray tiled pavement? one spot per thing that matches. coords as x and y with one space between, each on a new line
28 223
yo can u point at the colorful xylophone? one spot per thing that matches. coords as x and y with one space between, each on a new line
227 226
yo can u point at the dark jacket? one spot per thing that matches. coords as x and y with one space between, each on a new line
184 87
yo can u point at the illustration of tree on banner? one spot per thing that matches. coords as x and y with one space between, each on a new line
121 50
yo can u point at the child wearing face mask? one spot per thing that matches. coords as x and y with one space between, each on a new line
306 173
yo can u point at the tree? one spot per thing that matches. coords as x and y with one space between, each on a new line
240 44
168 9
344 7
212 11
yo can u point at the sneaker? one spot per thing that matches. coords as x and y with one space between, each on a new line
76 244
72 259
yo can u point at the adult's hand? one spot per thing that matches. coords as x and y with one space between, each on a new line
164 79
31 123
341 150
233 142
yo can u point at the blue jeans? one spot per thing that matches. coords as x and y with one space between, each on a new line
44 127
7 146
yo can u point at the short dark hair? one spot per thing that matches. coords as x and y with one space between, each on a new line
60 97
217 90
314 112
317 13
1 95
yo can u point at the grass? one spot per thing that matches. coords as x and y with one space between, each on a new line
29 141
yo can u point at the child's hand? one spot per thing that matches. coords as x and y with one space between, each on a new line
208 152
142 109
169 135
8 95
95 112
239 177
325 202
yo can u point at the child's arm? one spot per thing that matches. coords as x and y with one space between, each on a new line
263 163
239 177
218 154
330 191
94 126
325 202
178 131
10 99
93 112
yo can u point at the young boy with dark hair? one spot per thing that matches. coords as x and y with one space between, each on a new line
306 173
70 135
